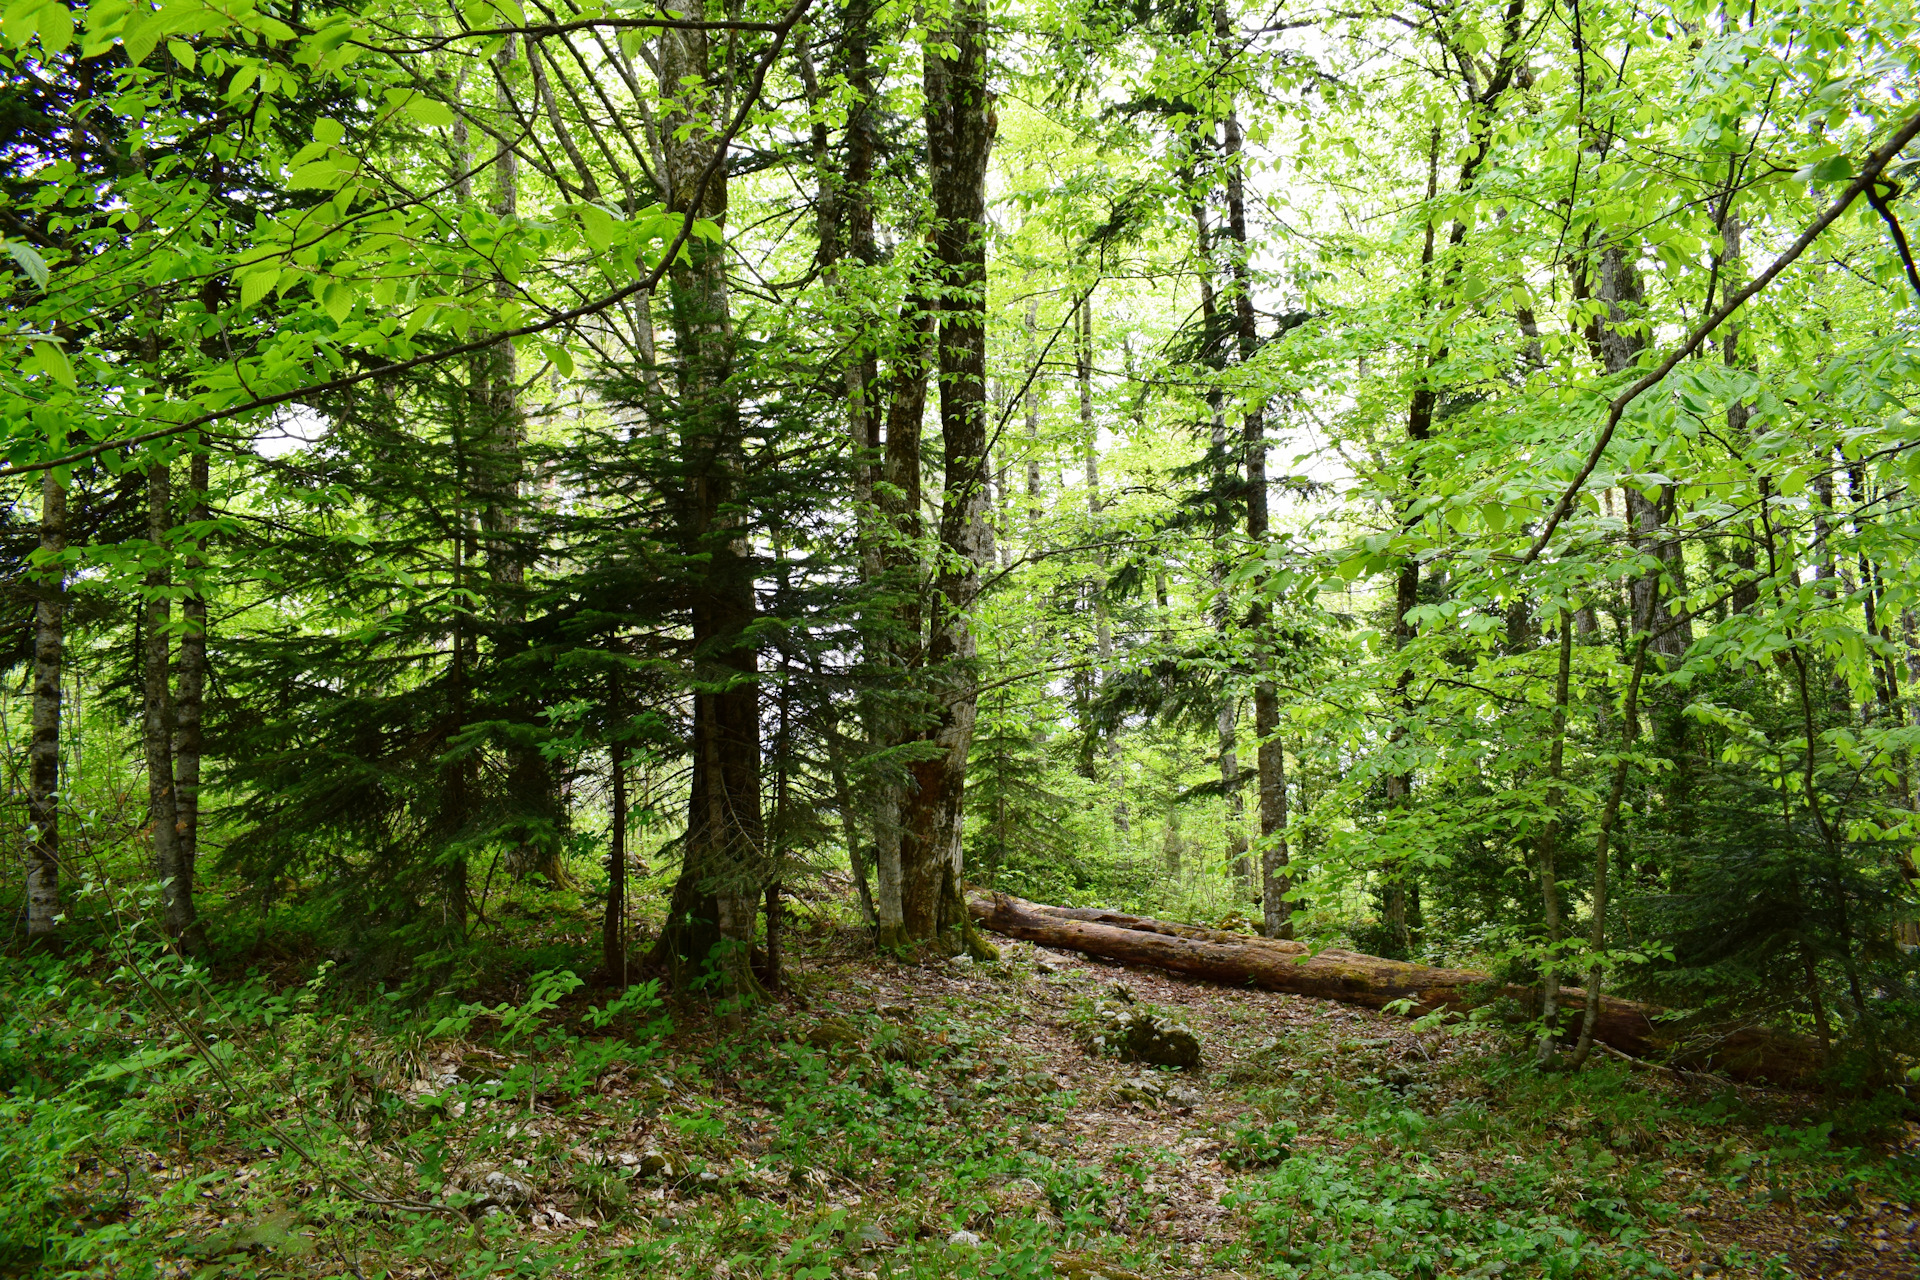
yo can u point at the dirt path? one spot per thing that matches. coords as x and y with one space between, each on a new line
1717 1205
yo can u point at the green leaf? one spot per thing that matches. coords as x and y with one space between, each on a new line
1833 169
28 261
52 360
337 296
324 174
141 37
430 111
56 29
257 285
599 225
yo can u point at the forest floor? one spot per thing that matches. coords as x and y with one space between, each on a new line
1320 1139
883 1120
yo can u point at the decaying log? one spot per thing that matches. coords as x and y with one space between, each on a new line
1348 976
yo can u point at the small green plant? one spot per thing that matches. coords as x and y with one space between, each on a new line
1258 1146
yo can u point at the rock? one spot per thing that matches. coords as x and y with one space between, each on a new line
833 1033
1072 1267
1134 1033
1182 1095
655 1165
962 961
1142 1089
964 1240
506 1189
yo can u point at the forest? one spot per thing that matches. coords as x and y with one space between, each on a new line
1059 638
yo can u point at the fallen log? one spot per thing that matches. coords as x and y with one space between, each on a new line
1638 1030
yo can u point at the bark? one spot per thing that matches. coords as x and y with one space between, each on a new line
1373 982
1603 847
190 693
1550 845
43 756
1030 405
1617 342
1097 587
613 923
176 885
898 641
723 872
1270 753
499 472
960 127
1746 593
1270 758
1226 715
1406 582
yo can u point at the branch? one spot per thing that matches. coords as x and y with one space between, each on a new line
1869 174
644 285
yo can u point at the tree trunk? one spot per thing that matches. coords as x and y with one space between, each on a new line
176 885
1550 846
1373 982
1270 758
43 764
724 872
1102 626
898 640
1220 609
191 691
1030 406
499 465
613 923
959 135
1603 847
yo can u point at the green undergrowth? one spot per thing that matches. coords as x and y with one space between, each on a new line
1478 1165
161 1120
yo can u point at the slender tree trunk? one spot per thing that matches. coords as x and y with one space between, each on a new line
850 826
1603 847
1402 891
43 766
959 136
613 924
1102 625
1270 758
191 691
499 464
1550 846
1220 608
176 886
1030 404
